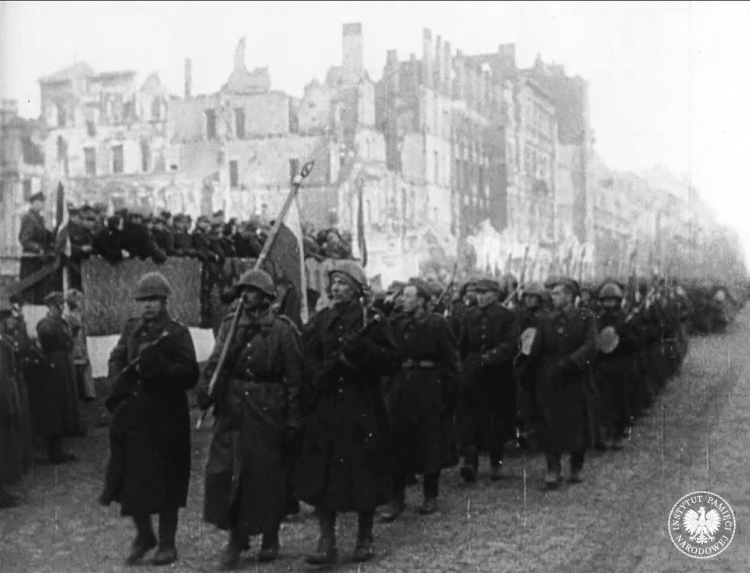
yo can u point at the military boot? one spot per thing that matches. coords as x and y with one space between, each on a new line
394 509
230 557
363 549
553 478
144 541
269 547
326 554
167 552
470 465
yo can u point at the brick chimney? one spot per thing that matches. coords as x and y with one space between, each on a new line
353 53
460 76
188 78
448 80
439 73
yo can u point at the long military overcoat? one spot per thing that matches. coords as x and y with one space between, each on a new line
566 399
487 345
421 399
150 431
54 395
345 462
258 404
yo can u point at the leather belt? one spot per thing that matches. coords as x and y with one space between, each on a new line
409 364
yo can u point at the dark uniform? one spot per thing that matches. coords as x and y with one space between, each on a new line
11 417
614 368
258 422
183 243
529 315
36 239
421 402
54 402
345 461
564 347
149 468
487 408
27 360
109 243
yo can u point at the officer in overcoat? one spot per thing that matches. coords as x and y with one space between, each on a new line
487 406
38 241
150 369
60 412
259 421
344 463
421 399
564 346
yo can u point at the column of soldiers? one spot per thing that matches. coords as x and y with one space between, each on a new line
371 392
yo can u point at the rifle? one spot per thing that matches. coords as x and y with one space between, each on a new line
115 402
448 286
296 184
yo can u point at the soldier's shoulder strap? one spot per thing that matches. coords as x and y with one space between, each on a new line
284 318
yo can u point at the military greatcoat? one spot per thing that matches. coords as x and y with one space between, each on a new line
566 398
487 344
421 398
150 432
258 409
345 461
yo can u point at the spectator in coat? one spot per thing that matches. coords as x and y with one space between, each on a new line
149 466
38 242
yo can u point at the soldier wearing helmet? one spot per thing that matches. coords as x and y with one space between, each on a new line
617 342
345 461
258 421
528 318
486 411
150 370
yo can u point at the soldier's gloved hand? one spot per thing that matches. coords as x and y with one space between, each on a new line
292 438
567 366
203 399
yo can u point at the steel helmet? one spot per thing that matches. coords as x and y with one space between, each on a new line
610 290
258 279
534 288
151 285
352 269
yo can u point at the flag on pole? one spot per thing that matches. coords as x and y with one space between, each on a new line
288 257
361 239
62 236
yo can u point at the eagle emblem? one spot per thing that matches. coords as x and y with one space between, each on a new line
701 525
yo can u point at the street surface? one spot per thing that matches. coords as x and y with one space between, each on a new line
696 437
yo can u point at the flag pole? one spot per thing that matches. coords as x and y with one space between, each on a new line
296 183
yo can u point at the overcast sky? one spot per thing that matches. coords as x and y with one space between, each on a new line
668 80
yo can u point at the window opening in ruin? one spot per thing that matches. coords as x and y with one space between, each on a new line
156 109
90 160
234 174
210 124
239 122
61 115
90 128
118 159
62 149
145 156
26 189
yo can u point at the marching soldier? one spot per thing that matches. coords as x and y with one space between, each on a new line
617 340
487 408
421 400
151 368
344 462
530 314
564 346
258 421
55 401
